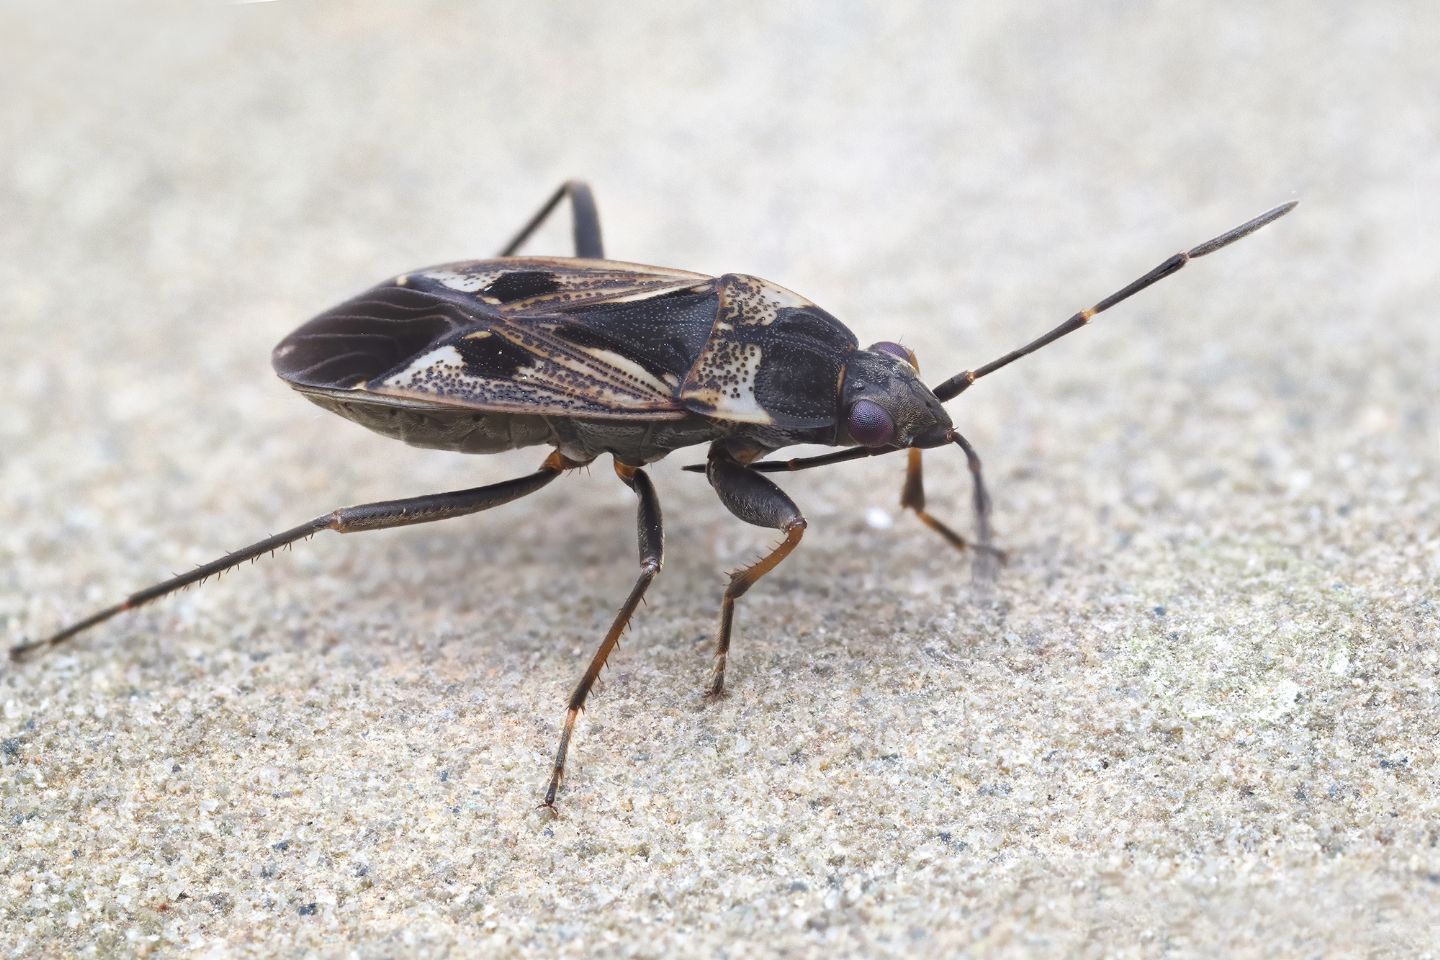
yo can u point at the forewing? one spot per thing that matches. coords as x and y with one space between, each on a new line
542 286
541 336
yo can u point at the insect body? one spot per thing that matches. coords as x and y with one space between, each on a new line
589 356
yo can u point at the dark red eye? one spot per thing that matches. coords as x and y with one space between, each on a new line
895 350
870 425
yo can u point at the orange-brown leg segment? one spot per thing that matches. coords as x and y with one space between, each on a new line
756 500
912 497
652 548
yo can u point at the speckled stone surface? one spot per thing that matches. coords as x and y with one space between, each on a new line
1196 716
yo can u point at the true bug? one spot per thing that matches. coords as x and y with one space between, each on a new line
592 356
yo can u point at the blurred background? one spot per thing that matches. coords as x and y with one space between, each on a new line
1197 712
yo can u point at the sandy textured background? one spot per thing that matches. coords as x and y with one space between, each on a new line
1198 715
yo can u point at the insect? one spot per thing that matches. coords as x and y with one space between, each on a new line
590 356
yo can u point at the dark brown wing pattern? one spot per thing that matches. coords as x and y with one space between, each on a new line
545 336
541 286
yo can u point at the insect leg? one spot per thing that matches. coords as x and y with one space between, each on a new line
912 497
652 549
756 500
582 211
803 463
367 516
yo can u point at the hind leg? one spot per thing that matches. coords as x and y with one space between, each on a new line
588 244
652 548
368 516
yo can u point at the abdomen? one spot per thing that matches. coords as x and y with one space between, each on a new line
457 429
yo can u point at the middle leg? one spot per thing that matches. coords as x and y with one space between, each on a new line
652 549
756 500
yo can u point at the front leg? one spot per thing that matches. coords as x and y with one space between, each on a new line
912 497
756 500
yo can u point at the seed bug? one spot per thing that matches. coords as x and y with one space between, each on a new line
590 356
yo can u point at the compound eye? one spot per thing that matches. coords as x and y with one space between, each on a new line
870 424
895 350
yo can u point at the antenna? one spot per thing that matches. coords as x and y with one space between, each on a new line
958 384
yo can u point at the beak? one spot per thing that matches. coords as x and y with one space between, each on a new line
934 437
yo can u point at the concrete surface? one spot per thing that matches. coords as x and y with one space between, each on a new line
1197 716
